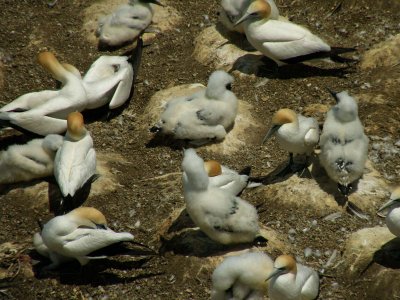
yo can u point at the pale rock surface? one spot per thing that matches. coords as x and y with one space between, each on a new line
384 54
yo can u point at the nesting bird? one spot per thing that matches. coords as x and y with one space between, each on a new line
30 161
344 145
126 23
233 10
75 161
242 277
292 281
295 133
223 217
393 215
282 41
76 235
202 116
222 177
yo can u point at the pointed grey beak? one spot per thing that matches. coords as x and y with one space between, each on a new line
241 20
157 2
271 132
388 204
276 272
334 94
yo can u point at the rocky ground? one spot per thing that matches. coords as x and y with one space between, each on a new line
140 187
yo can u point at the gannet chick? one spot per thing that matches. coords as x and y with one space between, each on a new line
393 216
220 215
283 41
75 161
242 277
232 10
30 161
204 115
295 133
77 234
45 112
292 281
344 145
225 178
126 23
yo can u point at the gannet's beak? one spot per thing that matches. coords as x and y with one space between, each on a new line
270 133
157 2
276 272
242 19
388 204
334 94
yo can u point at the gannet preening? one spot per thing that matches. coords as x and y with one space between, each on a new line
232 10
393 216
224 217
76 235
75 161
202 116
30 161
126 23
225 178
294 133
292 281
283 41
43 250
344 145
242 277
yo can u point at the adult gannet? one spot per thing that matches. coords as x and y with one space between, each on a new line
225 178
232 10
75 161
283 41
219 214
76 235
242 277
204 115
294 132
344 145
126 23
30 161
393 216
292 281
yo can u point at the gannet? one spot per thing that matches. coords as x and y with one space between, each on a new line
30 161
75 161
126 23
344 145
292 281
393 216
222 216
232 10
242 277
294 133
225 178
283 41
202 116
76 235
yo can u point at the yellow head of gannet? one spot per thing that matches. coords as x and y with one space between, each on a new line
75 125
86 216
281 117
213 168
283 264
394 199
48 61
258 9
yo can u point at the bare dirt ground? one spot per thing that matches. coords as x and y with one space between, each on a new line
28 27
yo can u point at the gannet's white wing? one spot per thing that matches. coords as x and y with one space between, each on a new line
123 90
30 100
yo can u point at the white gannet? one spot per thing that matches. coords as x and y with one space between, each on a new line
204 115
344 145
222 216
232 10
292 281
76 235
242 277
393 215
283 41
126 23
45 112
295 133
75 161
225 178
43 250
30 161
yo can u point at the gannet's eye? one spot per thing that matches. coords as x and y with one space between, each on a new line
116 68
101 226
228 86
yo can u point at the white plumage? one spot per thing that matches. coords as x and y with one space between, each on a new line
344 145
30 161
393 215
292 281
76 235
242 277
75 161
204 115
219 214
